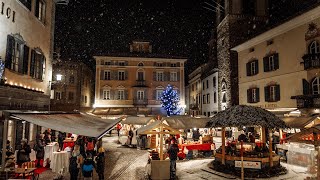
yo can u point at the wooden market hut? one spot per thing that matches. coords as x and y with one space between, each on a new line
246 116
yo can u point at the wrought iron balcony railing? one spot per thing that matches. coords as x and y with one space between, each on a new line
311 61
137 101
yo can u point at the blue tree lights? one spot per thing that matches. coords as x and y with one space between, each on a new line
170 101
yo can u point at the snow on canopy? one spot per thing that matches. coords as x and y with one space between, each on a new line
242 115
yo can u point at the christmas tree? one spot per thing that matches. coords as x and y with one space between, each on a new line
170 101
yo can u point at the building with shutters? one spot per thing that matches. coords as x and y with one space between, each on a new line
132 83
72 87
280 68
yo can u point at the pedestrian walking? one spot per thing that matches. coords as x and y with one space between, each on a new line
173 154
75 162
119 128
87 167
100 163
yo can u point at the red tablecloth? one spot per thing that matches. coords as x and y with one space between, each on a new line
201 147
68 144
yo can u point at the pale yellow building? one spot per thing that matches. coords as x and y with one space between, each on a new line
132 83
281 67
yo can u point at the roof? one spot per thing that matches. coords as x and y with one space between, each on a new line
143 55
154 127
281 29
76 123
186 122
137 120
309 136
298 122
243 115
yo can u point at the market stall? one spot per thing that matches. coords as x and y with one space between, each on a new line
303 149
160 166
241 153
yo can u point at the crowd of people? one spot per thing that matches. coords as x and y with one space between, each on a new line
85 156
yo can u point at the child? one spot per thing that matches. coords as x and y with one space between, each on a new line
87 168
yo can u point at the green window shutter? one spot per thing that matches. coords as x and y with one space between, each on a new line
277 92
25 59
37 8
32 62
266 64
267 93
258 94
9 52
178 75
276 61
249 95
126 95
256 64
306 87
42 61
248 69
20 61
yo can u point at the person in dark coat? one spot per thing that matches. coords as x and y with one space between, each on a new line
173 154
100 163
61 137
81 143
75 162
39 148
23 154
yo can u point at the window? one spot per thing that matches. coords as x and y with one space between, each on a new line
272 93
58 95
203 86
121 75
214 97
208 114
37 66
204 113
173 76
140 76
17 55
71 96
121 94
71 79
160 76
314 47
140 95
122 63
159 64
159 94
108 63
173 65
204 99
192 87
85 99
207 84
253 95
316 86
107 75
40 10
106 94
208 98
271 63
26 3
252 68
214 82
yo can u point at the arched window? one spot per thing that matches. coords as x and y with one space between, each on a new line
140 75
316 85
314 47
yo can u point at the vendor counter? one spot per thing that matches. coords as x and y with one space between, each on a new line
159 169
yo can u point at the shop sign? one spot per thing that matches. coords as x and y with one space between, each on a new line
248 164
7 11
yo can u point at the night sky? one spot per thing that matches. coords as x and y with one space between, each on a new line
175 27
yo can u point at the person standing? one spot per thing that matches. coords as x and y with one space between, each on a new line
39 149
61 137
119 128
90 146
87 167
173 154
130 136
75 162
23 153
100 163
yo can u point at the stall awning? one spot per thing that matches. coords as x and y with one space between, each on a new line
155 126
137 120
298 122
76 123
186 122
308 136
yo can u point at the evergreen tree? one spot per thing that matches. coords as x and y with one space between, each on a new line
170 101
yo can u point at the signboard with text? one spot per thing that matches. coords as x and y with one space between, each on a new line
248 164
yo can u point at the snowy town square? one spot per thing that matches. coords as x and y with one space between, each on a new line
159 89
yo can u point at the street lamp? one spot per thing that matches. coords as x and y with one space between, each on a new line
58 79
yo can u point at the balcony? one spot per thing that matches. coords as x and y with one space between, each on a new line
140 83
307 101
137 101
311 61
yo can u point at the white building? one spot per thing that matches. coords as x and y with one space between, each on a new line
210 93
